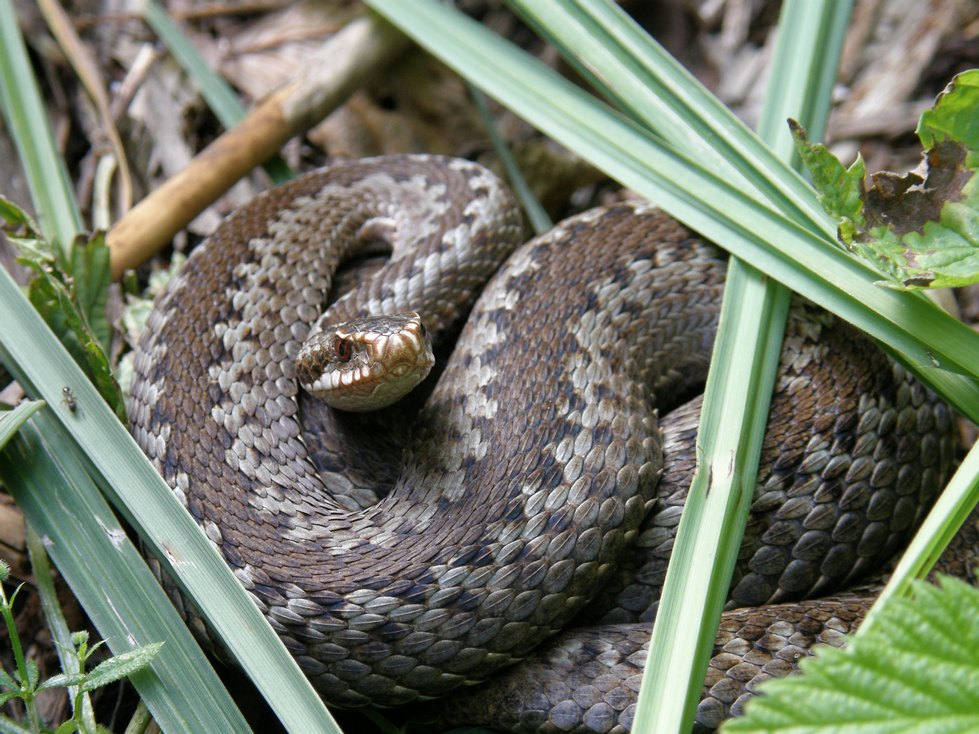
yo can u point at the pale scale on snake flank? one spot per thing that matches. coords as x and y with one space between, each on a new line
533 463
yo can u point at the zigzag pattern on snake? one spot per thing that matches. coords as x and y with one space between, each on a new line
533 465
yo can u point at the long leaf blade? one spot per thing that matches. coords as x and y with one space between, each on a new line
925 337
43 367
11 420
110 579
28 121
736 404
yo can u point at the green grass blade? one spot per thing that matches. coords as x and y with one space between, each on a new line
11 420
27 119
48 480
640 77
922 334
807 31
540 222
732 425
736 404
43 367
217 93
55 618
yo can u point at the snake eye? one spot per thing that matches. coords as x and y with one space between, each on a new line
343 348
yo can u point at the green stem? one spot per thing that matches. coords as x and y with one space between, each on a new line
535 212
26 690
140 720
61 636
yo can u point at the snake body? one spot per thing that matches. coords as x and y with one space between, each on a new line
535 460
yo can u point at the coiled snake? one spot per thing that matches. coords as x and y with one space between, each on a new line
532 465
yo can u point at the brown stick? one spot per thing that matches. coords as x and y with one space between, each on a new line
363 47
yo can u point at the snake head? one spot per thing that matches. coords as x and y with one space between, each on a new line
367 363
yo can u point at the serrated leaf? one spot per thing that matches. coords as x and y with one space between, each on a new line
33 675
16 220
62 680
9 726
954 115
924 232
7 682
920 232
70 292
91 276
4 697
916 669
119 666
49 295
840 189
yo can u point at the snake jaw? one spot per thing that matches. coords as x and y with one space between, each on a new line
365 364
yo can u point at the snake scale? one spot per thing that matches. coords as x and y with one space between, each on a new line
530 486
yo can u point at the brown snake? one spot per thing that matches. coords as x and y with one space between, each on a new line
532 466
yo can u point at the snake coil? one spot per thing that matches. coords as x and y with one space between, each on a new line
534 462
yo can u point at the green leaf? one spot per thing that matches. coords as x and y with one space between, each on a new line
119 666
9 726
915 669
7 682
840 189
90 279
33 675
919 232
11 420
62 680
16 220
924 232
70 293
4 697
954 115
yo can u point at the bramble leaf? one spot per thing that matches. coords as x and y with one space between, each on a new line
62 680
916 669
921 232
954 115
840 189
7 682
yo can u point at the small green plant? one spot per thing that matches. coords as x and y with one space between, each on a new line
24 683
922 232
69 289
916 669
